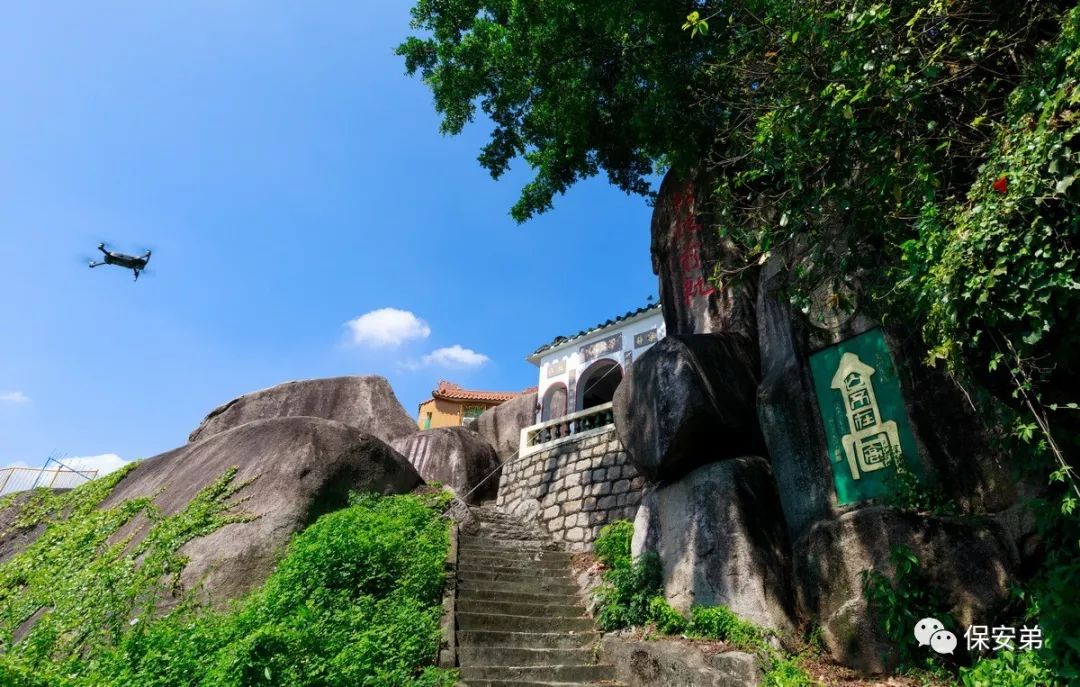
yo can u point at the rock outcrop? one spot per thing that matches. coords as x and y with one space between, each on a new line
685 253
501 426
459 458
293 470
721 541
787 410
663 662
366 403
687 401
970 561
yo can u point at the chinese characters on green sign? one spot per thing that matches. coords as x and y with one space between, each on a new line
862 408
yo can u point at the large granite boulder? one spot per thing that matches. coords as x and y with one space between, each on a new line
720 536
666 662
501 426
366 403
686 250
689 400
292 470
15 534
787 409
969 561
459 458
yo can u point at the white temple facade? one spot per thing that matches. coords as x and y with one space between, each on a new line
581 371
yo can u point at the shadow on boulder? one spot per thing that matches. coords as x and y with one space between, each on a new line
969 561
294 470
689 400
720 536
459 458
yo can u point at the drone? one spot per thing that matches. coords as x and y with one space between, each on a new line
135 263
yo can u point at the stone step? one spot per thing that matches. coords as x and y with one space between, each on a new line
475 541
513 537
520 623
517 553
492 547
520 561
517 683
481 573
512 552
495 516
513 574
534 586
549 673
529 640
533 610
507 527
501 655
523 567
531 597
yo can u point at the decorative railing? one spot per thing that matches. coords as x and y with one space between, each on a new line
566 427
24 479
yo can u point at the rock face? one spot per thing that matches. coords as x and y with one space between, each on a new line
787 409
14 539
295 469
661 663
366 403
685 251
501 426
972 561
457 457
721 540
689 400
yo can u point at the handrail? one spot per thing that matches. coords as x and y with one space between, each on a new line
567 426
19 478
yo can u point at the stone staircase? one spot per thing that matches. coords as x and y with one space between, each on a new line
519 619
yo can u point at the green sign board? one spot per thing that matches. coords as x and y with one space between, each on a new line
862 408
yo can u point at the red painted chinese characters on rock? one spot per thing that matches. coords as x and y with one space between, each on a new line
686 242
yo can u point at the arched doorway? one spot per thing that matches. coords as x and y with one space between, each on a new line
554 403
598 384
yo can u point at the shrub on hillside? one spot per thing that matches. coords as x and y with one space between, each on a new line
355 601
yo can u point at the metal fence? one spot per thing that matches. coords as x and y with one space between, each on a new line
60 477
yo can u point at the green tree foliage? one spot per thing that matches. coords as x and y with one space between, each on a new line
573 88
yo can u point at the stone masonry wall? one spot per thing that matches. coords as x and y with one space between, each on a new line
574 487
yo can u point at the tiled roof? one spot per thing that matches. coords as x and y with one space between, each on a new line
560 340
452 392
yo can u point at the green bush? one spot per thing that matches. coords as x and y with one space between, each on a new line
1009 669
627 593
355 601
613 543
667 619
719 622
785 672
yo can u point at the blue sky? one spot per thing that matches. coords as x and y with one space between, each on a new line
290 179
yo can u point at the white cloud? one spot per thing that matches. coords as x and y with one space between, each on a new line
17 397
387 327
104 463
455 356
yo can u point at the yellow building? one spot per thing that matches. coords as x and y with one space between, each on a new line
450 405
